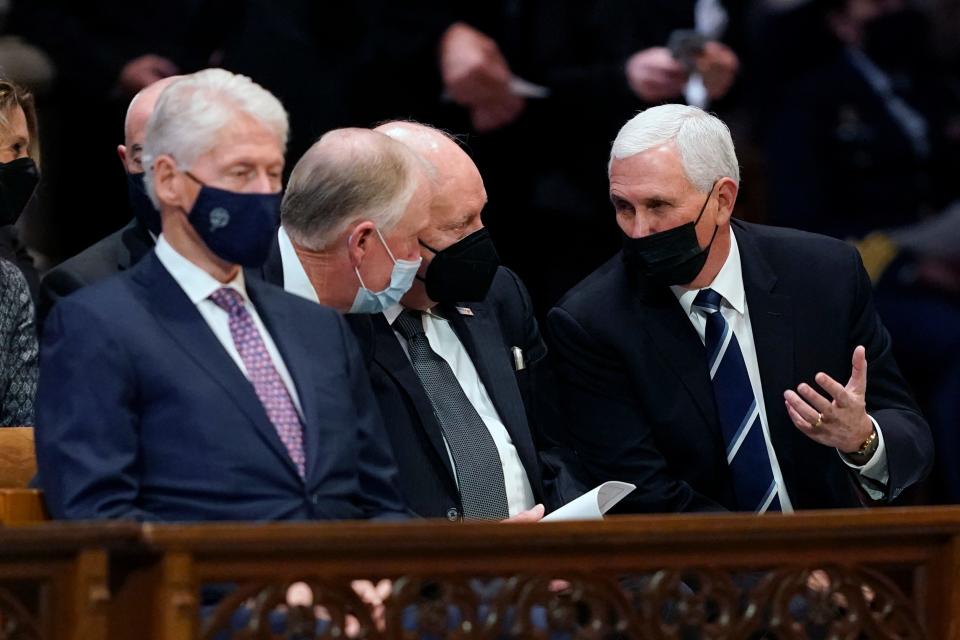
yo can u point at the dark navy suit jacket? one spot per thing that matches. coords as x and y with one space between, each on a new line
634 376
503 320
142 414
117 252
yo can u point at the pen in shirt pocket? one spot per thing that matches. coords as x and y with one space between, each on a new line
519 363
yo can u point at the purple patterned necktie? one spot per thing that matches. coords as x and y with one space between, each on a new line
263 375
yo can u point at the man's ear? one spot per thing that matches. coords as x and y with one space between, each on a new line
727 191
122 152
359 241
166 183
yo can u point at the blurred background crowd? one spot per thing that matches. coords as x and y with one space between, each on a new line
845 113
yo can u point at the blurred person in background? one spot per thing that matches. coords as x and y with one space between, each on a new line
542 87
863 140
104 53
315 57
19 173
864 145
124 248
19 176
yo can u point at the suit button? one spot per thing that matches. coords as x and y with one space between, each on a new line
453 514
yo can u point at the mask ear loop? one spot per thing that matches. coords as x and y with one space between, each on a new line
356 269
716 228
385 245
705 203
427 247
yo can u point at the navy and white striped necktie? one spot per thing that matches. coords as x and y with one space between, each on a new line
738 411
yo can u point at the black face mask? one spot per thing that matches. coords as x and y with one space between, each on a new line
143 209
670 257
898 40
18 182
464 271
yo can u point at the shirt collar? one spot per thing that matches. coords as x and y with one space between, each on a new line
391 313
295 279
728 283
195 282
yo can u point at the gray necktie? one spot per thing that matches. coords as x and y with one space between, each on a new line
478 466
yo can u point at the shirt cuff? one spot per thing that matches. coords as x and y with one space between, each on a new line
875 470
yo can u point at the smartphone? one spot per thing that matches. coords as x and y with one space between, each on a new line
685 45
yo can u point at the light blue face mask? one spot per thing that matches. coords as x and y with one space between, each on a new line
401 279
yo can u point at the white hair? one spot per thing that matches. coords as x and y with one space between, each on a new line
702 140
346 176
191 113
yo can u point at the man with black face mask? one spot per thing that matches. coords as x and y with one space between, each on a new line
199 394
458 365
687 362
120 250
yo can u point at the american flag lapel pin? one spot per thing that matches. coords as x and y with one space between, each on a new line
465 311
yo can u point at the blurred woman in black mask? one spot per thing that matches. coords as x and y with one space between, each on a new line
19 173
19 176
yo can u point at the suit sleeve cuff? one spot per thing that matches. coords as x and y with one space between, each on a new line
875 471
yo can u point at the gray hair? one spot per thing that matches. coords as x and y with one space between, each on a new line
702 140
348 175
191 112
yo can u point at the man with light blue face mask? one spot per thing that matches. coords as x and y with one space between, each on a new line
353 209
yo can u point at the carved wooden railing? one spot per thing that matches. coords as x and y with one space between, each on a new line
891 573
54 579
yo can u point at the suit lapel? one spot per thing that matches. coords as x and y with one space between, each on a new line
482 337
180 318
676 339
272 269
136 243
771 316
389 355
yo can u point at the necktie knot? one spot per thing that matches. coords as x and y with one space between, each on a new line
708 300
228 299
409 323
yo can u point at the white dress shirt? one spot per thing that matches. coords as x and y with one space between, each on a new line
729 284
199 285
295 279
445 343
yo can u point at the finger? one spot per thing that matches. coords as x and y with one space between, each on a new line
805 411
384 588
672 72
797 420
818 581
299 594
531 515
836 390
858 378
165 66
814 399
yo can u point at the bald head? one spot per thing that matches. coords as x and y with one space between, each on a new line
346 176
453 169
135 124
459 194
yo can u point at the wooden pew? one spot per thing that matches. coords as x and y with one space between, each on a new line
892 573
54 579
18 464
